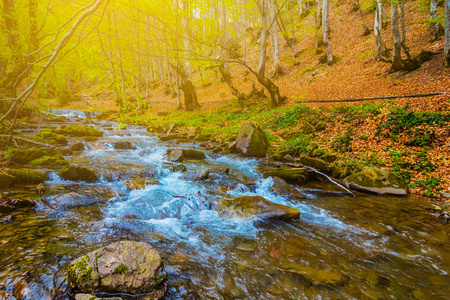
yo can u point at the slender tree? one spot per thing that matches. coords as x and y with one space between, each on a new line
326 30
377 30
447 34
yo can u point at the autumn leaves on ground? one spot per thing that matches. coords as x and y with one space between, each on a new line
408 136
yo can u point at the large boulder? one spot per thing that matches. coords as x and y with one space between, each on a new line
248 206
194 154
122 267
251 141
78 130
291 175
373 180
27 156
282 188
76 173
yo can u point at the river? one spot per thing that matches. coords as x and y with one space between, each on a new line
343 247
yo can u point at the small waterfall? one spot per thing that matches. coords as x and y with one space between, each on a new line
69 113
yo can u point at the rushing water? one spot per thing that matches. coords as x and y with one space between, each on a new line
376 247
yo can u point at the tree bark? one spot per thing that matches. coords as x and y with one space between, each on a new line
326 29
278 70
397 62
447 34
377 30
227 78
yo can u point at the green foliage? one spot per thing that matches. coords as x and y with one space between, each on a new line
121 269
291 117
300 143
429 184
342 143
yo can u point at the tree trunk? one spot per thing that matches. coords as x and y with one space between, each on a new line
366 29
397 62
326 29
227 78
278 70
377 30
447 34
434 24
190 96
267 83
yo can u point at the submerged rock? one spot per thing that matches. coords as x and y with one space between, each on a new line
121 267
139 182
376 181
194 175
291 175
76 173
37 156
79 146
315 276
78 130
251 141
282 188
248 206
7 205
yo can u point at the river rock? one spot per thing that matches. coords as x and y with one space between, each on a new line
76 173
175 155
78 130
6 181
291 175
248 206
121 267
251 141
195 175
194 154
78 146
124 145
316 163
282 188
36 156
376 181
315 276
28 176
52 138
138 183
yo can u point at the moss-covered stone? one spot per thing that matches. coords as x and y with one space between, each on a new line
121 267
25 156
49 161
316 163
51 137
194 154
28 176
376 181
249 206
281 187
291 175
78 130
76 173
251 141
6 181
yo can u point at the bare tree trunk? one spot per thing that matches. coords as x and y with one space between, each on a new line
260 75
366 29
326 30
227 78
434 24
397 62
447 34
377 30
278 70
411 58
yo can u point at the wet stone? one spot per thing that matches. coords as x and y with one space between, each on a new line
175 155
79 146
282 188
125 145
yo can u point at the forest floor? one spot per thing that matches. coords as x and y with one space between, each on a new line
408 136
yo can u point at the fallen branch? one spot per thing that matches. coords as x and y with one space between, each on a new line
34 142
374 98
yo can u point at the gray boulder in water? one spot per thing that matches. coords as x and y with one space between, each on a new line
377 181
122 267
251 141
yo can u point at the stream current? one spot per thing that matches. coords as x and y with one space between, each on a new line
343 247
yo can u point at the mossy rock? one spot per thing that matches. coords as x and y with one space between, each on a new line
76 173
48 161
122 267
78 130
319 152
249 206
251 141
202 137
316 163
25 156
175 155
320 126
291 175
315 276
28 176
377 181
194 154
282 188
53 138
6 181
312 146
